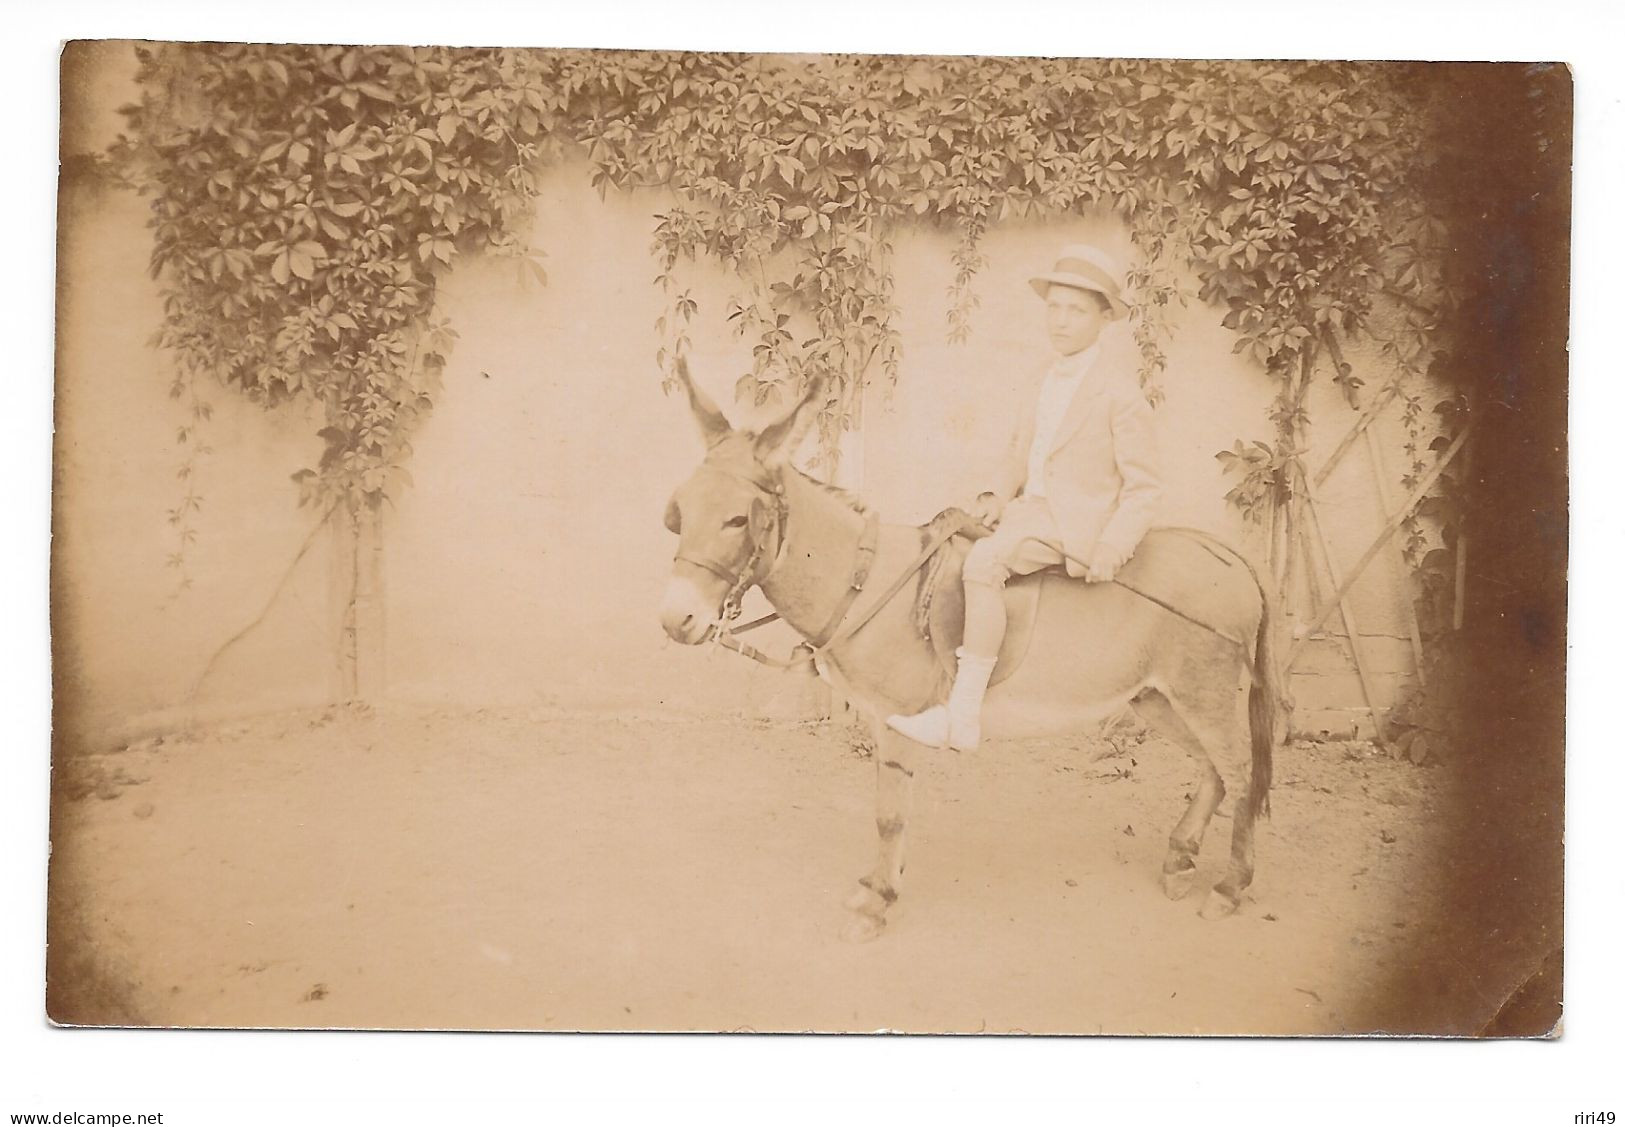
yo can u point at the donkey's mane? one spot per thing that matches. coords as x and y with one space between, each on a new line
848 498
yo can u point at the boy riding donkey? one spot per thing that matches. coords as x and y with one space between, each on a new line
1080 477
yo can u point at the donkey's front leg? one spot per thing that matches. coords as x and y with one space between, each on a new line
894 796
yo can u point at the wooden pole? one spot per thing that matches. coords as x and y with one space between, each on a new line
1287 582
1379 471
1292 516
1356 646
1367 417
1311 573
1272 548
1388 531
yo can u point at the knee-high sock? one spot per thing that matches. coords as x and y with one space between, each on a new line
985 619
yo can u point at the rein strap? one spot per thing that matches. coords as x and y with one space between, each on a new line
861 567
834 633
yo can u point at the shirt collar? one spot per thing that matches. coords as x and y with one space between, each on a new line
1077 364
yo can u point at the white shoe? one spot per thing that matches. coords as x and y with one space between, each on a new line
934 728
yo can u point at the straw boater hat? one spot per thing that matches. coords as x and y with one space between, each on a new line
1085 268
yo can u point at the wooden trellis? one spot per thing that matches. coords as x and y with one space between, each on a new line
1306 536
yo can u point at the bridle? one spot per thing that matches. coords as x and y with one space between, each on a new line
749 573
837 629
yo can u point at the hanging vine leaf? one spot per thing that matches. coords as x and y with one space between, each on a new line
307 200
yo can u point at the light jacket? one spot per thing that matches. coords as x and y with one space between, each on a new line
1101 476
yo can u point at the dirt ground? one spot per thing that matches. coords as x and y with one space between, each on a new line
547 870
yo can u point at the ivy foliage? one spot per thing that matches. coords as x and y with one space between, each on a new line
1288 189
307 200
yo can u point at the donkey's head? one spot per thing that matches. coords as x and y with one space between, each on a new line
728 515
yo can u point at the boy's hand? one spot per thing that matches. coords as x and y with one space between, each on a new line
986 509
1104 563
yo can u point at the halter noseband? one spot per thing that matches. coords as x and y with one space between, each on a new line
747 575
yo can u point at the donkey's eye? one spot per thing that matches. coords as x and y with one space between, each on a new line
735 522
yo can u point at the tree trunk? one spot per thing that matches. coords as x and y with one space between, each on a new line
371 677
356 604
341 603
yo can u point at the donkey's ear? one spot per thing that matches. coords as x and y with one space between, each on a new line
777 441
713 424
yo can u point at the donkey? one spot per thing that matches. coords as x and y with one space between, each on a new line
745 517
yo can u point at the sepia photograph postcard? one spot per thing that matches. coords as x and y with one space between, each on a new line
609 540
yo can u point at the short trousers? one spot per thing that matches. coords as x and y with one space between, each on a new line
1013 549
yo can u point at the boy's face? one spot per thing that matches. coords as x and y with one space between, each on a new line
1074 317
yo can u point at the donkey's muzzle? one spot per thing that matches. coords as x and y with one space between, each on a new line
686 614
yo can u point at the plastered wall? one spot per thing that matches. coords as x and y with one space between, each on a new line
526 564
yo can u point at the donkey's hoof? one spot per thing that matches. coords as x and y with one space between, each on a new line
1178 885
864 928
1219 905
865 901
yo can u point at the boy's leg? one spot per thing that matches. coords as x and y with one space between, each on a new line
1014 547
985 616
1019 546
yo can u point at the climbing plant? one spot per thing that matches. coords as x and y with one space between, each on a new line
1287 188
307 200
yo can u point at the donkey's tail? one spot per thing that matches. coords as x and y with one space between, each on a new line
1265 703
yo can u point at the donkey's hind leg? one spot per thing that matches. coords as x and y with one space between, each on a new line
1212 711
1226 895
894 797
1185 842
